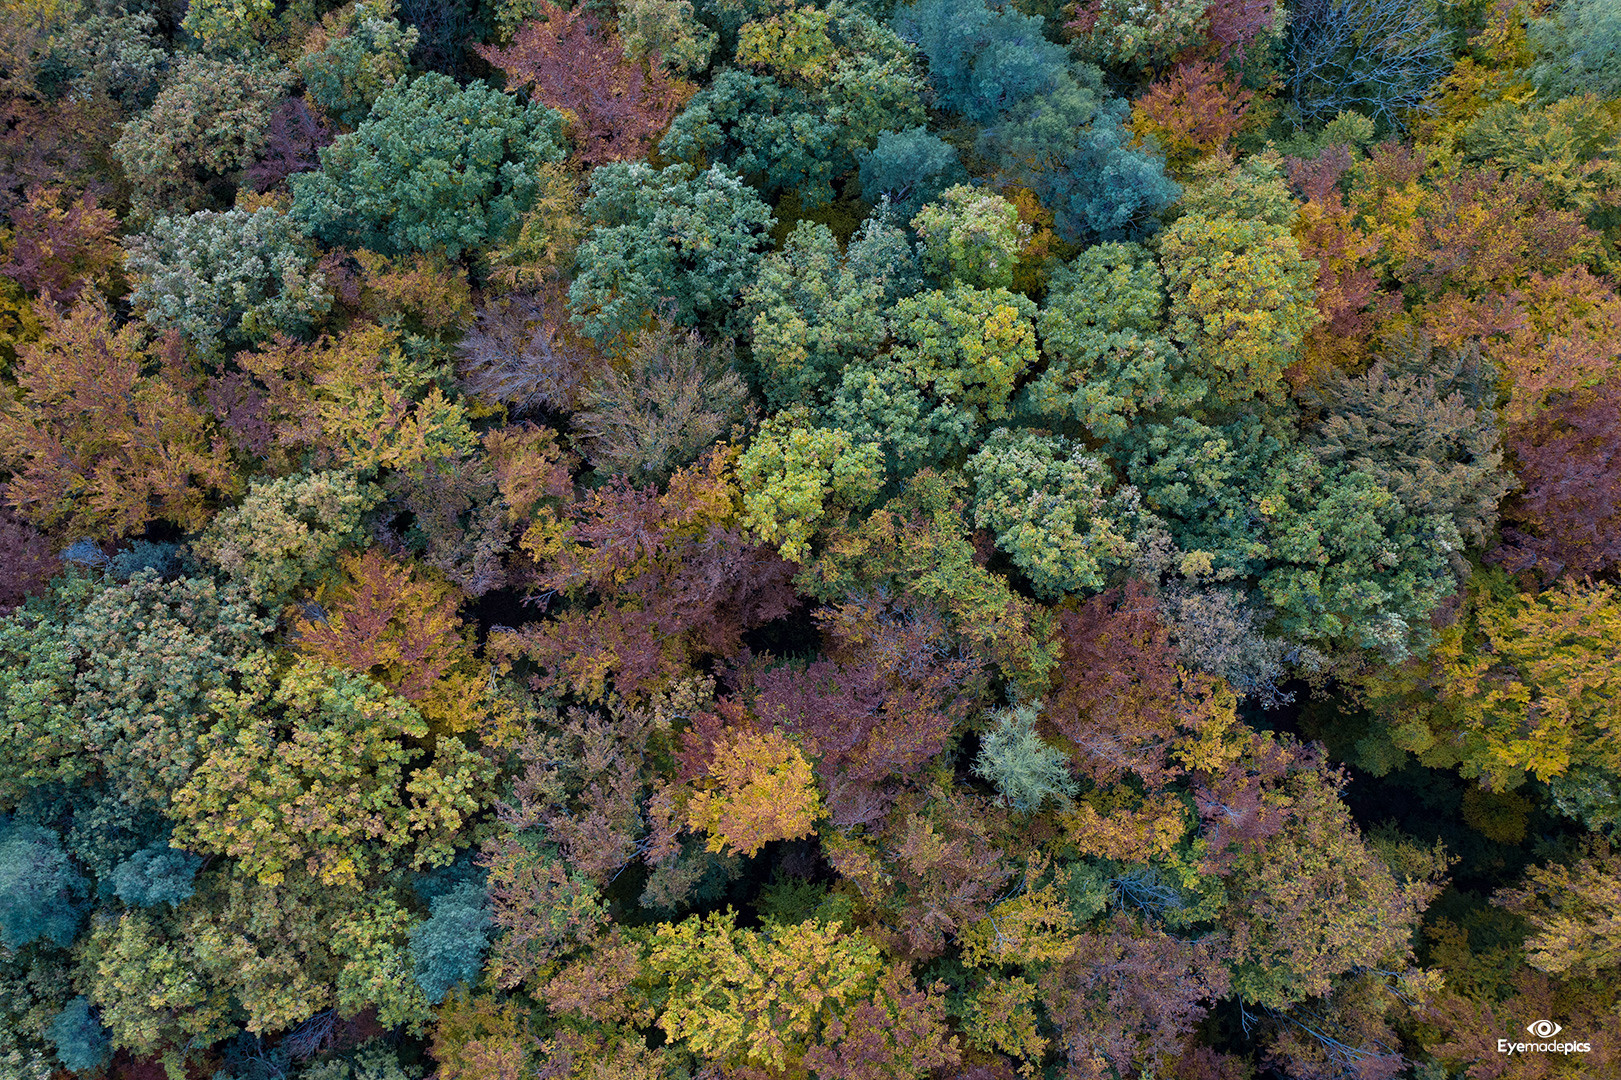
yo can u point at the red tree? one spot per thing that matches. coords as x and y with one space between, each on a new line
1569 457
568 61
1118 697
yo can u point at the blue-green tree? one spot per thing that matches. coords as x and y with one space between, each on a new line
1068 146
909 168
227 280
981 60
1020 764
81 1042
42 894
367 51
448 948
156 875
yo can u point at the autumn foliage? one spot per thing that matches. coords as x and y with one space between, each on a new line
831 540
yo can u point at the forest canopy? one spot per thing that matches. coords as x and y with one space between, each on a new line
809 539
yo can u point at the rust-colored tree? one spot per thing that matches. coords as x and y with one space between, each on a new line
881 705
1449 228
1128 997
1192 112
293 141
655 582
569 61
1348 293
1235 25
394 622
1565 336
98 446
60 245
934 867
29 560
899 1033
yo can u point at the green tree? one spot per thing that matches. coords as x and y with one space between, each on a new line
1049 506
360 50
967 347
1241 295
285 535
814 88
434 167
1102 332
448 947
111 682
956 357
971 236
669 30
794 475
1069 146
229 26
1335 555
690 241
365 52
322 769
1417 427
208 121
813 312
752 997
242 954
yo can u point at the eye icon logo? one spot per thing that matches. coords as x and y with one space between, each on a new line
1544 1029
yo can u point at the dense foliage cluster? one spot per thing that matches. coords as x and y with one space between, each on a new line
809 539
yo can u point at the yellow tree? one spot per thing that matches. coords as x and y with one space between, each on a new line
1242 296
759 998
759 789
